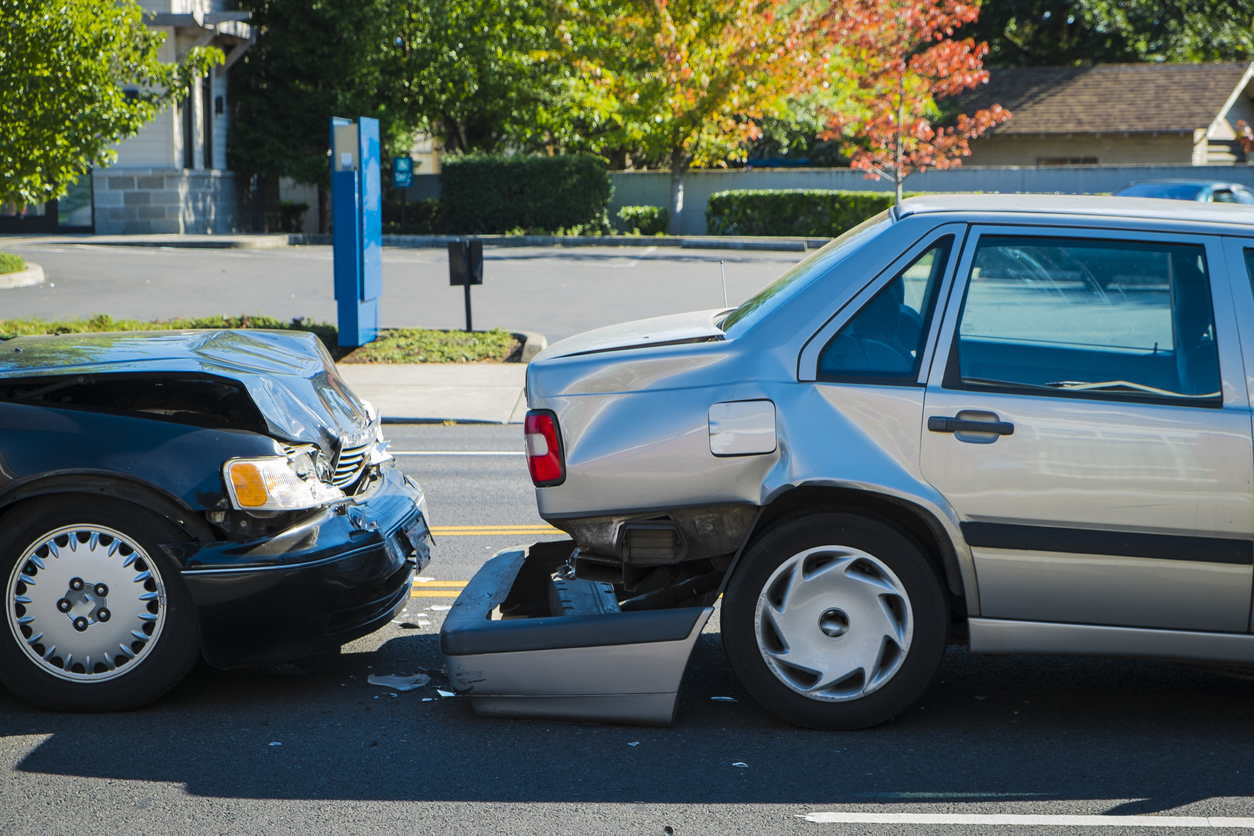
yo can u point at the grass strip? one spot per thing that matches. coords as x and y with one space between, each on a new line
395 345
10 263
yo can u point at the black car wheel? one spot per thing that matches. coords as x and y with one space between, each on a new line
95 615
835 620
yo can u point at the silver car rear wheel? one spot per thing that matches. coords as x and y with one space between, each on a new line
835 619
834 623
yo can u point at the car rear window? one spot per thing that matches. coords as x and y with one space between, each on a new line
774 294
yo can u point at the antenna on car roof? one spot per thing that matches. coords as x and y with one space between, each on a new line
723 273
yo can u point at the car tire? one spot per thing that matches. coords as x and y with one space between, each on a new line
96 617
835 620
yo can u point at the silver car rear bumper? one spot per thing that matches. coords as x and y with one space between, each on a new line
511 658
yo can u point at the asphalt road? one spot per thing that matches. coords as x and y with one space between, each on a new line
556 292
1015 735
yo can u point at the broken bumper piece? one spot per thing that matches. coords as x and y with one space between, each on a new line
511 657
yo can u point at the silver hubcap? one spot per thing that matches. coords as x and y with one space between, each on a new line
833 623
85 603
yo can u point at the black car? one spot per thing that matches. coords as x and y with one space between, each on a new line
168 495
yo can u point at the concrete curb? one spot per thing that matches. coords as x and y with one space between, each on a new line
275 241
32 275
533 344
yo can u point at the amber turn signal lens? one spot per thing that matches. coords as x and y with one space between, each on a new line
249 484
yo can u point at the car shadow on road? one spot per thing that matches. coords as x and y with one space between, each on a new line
991 731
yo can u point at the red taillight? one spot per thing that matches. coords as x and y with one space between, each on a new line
544 449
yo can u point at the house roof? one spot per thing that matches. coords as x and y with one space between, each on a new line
1109 98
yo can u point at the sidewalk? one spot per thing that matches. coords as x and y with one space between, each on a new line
484 393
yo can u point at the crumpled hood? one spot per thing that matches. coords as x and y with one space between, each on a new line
288 374
697 326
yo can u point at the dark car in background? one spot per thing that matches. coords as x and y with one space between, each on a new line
1202 191
171 495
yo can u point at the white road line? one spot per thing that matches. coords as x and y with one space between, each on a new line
457 452
995 820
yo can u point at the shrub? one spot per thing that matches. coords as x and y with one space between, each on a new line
422 217
644 220
292 215
495 194
810 213
10 263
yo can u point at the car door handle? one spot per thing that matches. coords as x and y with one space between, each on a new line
939 424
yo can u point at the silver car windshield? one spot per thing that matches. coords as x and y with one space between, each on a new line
783 288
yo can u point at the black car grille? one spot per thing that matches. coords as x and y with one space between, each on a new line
349 465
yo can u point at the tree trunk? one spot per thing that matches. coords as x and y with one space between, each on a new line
679 167
324 210
898 178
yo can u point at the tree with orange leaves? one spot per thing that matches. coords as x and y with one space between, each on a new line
686 82
904 58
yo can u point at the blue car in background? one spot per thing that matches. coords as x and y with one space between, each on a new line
1203 191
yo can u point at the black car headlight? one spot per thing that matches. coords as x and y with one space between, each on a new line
275 483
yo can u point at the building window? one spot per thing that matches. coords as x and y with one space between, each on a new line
189 136
1043 161
206 110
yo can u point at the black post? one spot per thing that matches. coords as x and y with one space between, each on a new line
466 287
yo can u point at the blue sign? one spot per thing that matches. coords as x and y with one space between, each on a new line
402 172
357 228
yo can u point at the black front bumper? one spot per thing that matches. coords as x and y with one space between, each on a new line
337 576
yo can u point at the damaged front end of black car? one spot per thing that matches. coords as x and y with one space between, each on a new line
167 495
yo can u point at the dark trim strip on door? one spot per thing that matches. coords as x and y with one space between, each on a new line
1119 543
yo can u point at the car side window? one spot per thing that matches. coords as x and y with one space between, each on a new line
1223 196
884 341
1085 318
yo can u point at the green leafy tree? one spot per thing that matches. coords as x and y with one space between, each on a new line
688 82
76 77
1179 30
482 75
313 59
1046 33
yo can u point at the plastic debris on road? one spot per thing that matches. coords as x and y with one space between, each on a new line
276 744
445 693
634 743
440 607
724 699
400 683
741 764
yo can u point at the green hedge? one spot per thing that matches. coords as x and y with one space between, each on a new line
644 220
497 194
810 213
422 217
10 263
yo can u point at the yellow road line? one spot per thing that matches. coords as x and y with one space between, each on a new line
434 593
418 582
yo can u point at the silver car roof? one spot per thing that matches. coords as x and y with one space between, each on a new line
1224 218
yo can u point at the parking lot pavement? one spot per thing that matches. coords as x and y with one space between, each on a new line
312 747
553 291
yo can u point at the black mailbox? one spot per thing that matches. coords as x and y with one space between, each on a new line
465 260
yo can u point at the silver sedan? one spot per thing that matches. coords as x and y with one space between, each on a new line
1016 423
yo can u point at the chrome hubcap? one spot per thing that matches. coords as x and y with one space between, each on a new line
85 603
833 623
